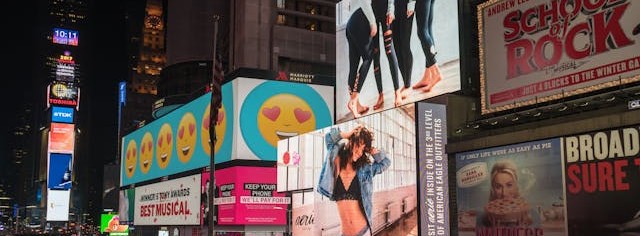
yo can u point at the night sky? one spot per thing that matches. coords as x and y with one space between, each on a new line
104 66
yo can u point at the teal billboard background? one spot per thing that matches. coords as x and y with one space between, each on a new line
132 169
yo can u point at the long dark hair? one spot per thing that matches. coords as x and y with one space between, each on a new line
359 135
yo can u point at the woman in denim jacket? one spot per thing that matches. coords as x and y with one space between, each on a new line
347 177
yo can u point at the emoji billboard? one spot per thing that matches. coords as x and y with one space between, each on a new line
178 141
273 110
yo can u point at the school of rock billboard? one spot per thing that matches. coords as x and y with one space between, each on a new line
389 177
537 51
420 59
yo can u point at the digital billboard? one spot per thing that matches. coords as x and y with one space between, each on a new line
433 169
61 138
385 175
269 111
110 223
539 51
60 167
413 57
126 205
173 202
58 205
65 36
255 115
65 68
178 141
61 114
63 93
511 189
248 196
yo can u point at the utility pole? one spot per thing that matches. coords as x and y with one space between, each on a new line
216 102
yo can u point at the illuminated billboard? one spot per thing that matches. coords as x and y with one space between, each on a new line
248 196
65 67
110 223
126 205
58 205
173 202
61 138
539 51
255 115
178 141
63 93
65 36
62 114
386 175
269 111
60 167
508 189
418 60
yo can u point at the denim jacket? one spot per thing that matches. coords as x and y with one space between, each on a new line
365 174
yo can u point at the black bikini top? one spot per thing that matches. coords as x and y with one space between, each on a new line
353 193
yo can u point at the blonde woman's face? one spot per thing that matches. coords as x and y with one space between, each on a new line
504 186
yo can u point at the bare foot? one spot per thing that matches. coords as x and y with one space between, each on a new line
425 79
362 109
435 77
352 105
404 92
399 101
379 103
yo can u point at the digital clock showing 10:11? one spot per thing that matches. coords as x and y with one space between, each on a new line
65 36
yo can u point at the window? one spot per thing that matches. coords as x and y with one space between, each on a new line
281 4
281 20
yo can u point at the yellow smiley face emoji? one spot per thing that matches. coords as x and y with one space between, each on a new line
186 140
131 157
283 116
146 152
164 144
221 126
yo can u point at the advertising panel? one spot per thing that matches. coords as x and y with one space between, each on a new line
126 205
432 159
204 205
65 36
385 174
248 196
511 190
65 68
60 166
178 141
421 56
62 114
603 182
61 138
110 223
63 93
173 202
537 51
58 205
273 110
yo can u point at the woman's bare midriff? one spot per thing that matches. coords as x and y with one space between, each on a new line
352 217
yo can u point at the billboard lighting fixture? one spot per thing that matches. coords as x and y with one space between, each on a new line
495 122
515 118
459 130
476 126
538 113
610 99
584 104
563 108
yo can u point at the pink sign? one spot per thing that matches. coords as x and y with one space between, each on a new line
248 196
